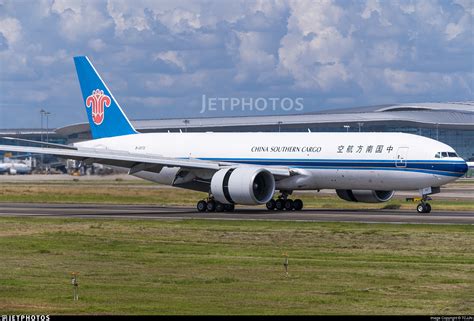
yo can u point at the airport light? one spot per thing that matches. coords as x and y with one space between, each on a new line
279 125
360 126
347 127
42 111
47 113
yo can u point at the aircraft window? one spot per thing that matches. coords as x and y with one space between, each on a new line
451 154
438 155
444 154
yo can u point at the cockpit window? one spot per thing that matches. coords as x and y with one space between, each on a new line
445 154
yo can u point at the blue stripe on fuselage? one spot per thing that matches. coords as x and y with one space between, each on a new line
445 168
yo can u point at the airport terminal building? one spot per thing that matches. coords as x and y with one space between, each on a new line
451 123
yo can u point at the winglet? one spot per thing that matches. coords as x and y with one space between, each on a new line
106 118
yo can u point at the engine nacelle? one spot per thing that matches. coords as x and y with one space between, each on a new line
243 185
364 196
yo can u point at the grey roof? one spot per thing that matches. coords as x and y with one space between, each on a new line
451 114
463 106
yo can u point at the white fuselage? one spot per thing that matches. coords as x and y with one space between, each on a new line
375 161
14 168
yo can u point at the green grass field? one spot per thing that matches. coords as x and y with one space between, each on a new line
234 267
142 192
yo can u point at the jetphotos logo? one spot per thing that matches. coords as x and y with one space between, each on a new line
98 101
258 104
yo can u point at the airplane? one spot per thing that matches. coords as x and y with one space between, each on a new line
14 168
249 168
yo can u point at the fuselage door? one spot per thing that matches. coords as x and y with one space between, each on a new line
401 160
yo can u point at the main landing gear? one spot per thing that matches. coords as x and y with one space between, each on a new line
284 203
211 205
424 206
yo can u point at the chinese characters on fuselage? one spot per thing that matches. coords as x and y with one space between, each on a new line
376 149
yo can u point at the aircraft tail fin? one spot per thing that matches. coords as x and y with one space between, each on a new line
106 118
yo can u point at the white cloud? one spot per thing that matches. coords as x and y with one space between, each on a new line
309 16
465 26
430 13
411 83
313 50
180 20
335 53
97 44
384 52
372 7
80 18
453 30
47 60
126 16
254 61
11 29
172 57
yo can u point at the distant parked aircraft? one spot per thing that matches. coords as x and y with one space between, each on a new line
14 168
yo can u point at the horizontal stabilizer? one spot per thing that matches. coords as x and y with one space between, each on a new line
39 143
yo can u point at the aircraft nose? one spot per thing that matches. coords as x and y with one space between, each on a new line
462 168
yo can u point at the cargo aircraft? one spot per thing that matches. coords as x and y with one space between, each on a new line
250 168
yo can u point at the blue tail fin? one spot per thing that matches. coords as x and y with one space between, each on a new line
106 118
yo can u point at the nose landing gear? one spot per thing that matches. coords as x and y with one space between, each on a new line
424 207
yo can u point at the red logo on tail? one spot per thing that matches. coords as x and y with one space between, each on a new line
97 101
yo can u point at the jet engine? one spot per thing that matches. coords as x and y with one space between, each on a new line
243 185
364 196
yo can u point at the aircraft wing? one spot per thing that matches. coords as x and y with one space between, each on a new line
134 161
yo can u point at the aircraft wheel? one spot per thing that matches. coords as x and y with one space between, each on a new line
201 206
211 206
279 204
271 205
288 205
428 207
298 204
421 208
219 207
229 207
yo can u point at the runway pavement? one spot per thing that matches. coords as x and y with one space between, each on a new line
241 213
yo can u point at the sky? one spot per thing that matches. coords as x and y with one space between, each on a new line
167 59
